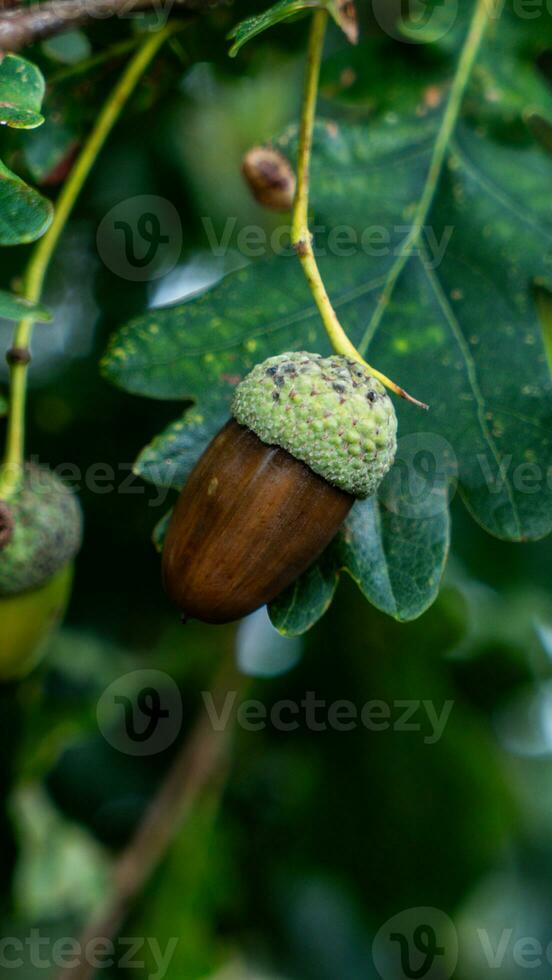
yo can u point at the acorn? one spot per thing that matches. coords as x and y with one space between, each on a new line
40 531
28 620
270 177
40 534
309 435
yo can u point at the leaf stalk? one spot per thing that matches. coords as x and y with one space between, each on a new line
301 236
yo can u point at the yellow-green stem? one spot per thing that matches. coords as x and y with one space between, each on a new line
33 282
301 236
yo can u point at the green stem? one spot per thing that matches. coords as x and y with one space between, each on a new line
484 12
301 236
38 265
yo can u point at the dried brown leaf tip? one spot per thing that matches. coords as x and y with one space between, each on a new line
347 19
270 177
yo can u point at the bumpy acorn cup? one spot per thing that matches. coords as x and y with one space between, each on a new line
40 534
308 436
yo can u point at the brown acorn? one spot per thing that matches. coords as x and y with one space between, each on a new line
270 177
309 436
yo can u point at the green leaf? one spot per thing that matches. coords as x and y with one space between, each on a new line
394 547
15 307
49 151
301 605
21 93
24 213
51 851
452 318
4 406
160 530
343 14
170 458
69 48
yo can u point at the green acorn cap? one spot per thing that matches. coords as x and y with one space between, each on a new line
42 531
328 412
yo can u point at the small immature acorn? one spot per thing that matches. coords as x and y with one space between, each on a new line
26 622
40 531
308 436
270 177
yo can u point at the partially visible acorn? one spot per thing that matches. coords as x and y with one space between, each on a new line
27 620
42 531
40 534
308 436
270 177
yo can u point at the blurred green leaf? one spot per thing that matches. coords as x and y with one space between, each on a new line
343 14
15 307
47 149
181 904
252 26
322 781
61 869
21 93
68 48
24 213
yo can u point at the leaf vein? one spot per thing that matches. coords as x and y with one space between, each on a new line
471 371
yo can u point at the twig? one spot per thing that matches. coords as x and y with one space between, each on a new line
301 236
26 25
200 766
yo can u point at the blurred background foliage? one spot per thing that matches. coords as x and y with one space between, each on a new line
316 838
